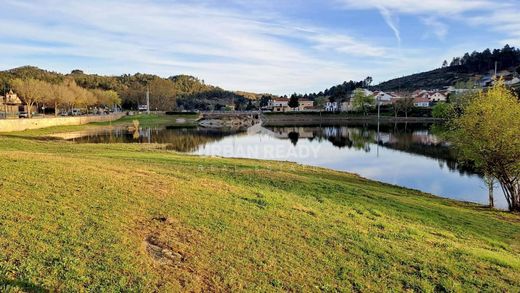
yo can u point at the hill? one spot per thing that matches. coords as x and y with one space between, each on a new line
159 221
180 91
461 69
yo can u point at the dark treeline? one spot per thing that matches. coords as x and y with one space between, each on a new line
214 99
335 93
480 62
166 94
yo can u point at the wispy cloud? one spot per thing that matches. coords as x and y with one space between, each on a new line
438 28
431 12
222 45
391 21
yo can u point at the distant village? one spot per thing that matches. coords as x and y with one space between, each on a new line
422 98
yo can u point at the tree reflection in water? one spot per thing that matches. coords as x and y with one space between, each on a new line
411 138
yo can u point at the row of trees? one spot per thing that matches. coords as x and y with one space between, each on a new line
164 92
65 94
363 102
335 93
506 57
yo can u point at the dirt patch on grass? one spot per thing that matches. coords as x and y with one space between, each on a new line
162 253
172 248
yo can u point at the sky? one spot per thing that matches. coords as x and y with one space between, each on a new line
277 47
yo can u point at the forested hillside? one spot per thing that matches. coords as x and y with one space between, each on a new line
175 92
471 66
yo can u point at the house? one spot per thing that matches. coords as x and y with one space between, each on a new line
511 80
331 106
346 106
421 93
305 105
421 102
486 80
282 105
383 98
439 96
11 105
278 105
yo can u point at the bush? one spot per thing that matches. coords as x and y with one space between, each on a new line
443 111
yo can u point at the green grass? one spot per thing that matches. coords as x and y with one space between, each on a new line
108 218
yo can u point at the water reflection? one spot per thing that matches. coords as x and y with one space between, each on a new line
409 155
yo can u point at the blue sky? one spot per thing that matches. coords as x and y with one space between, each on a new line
262 46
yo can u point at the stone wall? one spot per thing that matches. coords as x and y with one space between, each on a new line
10 125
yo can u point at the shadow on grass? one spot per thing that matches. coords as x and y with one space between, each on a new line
8 285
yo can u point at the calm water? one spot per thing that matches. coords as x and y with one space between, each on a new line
403 154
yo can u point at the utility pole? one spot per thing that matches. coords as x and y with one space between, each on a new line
5 101
148 100
378 115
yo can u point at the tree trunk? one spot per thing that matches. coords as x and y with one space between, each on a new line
490 193
511 189
490 182
55 109
29 108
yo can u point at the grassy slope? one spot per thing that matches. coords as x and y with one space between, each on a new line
82 216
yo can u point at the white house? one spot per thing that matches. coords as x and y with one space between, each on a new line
278 105
383 98
421 102
331 106
438 97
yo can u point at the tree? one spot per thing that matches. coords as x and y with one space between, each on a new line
368 81
320 101
488 133
460 101
405 105
293 101
106 98
60 94
443 111
30 90
162 94
361 101
444 64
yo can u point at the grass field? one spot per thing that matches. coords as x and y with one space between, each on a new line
138 218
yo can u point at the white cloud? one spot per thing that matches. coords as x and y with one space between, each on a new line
439 28
223 46
436 7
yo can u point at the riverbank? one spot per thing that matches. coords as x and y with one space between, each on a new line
316 118
12 125
152 120
139 218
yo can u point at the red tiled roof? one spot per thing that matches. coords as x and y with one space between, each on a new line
420 100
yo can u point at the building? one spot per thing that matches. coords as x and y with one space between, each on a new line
282 105
305 105
384 98
278 105
421 102
331 106
438 96
11 105
346 106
